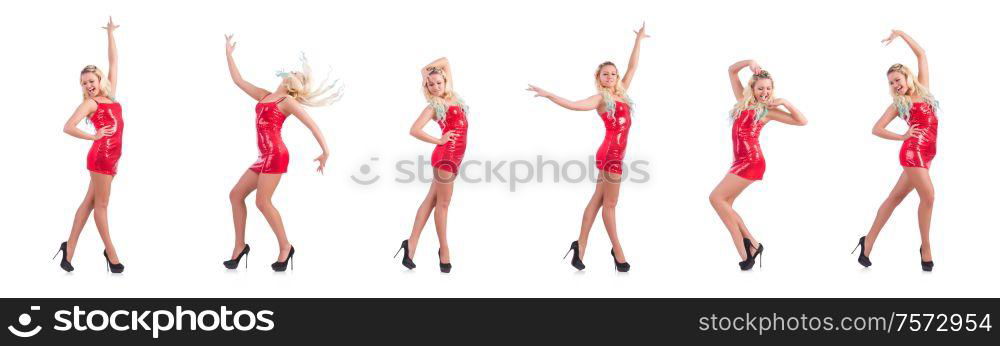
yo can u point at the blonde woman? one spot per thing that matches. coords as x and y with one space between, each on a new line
913 103
755 107
297 89
446 108
101 110
614 107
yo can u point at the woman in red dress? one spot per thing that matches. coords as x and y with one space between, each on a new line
755 107
912 102
446 108
101 110
295 91
614 107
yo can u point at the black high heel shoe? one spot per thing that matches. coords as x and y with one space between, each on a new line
407 262
116 268
751 260
862 258
234 263
64 264
620 267
576 262
928 265
445 267
280 266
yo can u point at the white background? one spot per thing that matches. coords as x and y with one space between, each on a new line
190 134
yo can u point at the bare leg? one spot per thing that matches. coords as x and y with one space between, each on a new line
921 180
102 196
423 213
266 184
82 214
444 191
612 185
743 226
589 215
237 197
896 196
727 190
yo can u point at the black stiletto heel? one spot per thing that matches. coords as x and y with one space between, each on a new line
928 265
407 261
234 263
280 266
751 260
445 267
620 267
64 264
576 262
116 268
862 258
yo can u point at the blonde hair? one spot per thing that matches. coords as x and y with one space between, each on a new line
300 85
103 85
439 103
749 100
913 88
607 94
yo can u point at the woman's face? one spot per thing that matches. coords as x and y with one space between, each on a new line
435 85
762 90
897 82
90 83
608 76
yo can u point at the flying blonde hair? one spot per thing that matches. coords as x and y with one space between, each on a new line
617 90
103 85
749 101
300 85
913 88
438 103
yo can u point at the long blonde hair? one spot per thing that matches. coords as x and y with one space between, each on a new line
439 103
913 88
749 101
300 85
607 94
103 85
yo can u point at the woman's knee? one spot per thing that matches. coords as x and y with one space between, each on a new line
263 203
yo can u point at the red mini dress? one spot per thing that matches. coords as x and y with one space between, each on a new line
273 157
105 152
449 156
612 151
919 151
748 158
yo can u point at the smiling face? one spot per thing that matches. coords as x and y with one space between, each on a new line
607 76
435 85
91 84
897 83
762 89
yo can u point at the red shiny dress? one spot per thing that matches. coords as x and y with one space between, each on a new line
273 158
748 158
105 152
919 151
448 156
612 151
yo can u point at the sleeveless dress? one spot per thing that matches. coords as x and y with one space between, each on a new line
273 157
612 151
748 158
918 152
449 156
105 152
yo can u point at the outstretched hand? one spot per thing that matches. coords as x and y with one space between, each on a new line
641 33
892 36
322 162
111 26
230 44
539 92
